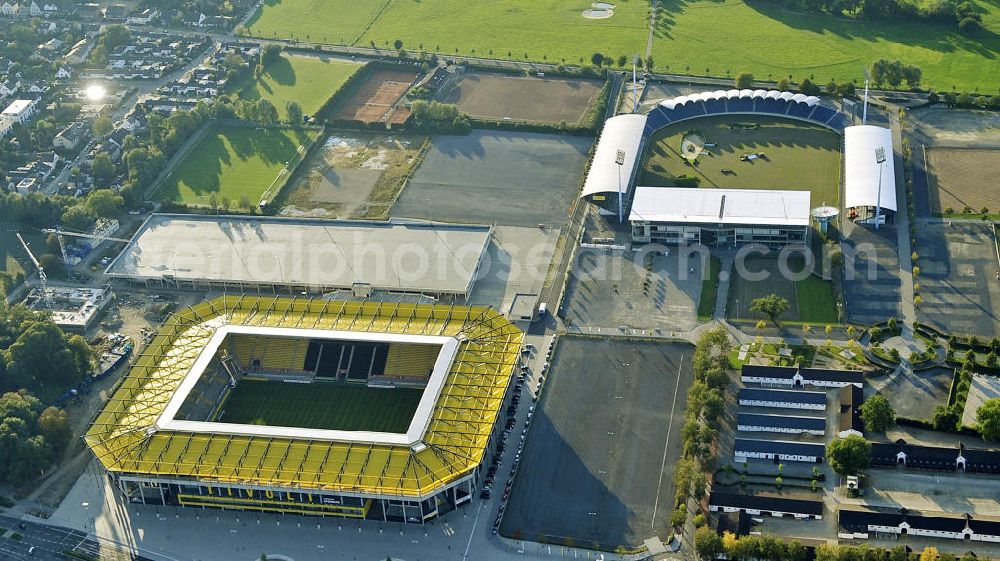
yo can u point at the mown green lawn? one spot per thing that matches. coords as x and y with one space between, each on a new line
800 156
697 37
321 406
815 301
709 290
233 162
734 36
308 80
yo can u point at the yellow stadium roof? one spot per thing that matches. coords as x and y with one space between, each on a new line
125 439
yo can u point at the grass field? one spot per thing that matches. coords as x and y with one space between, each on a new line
810 300
763 38
308 80
696 37
233 162
799 156
321 405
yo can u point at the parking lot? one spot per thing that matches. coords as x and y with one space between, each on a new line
491 177
873 294
958 277
597 468
915 394
606 289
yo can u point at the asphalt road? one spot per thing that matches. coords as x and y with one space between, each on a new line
49 542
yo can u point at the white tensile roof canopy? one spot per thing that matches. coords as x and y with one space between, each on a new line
862 170
623 132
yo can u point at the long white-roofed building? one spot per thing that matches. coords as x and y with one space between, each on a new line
869 174
614 164
720 217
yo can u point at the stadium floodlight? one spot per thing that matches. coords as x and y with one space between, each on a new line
880 160
620 160
864 110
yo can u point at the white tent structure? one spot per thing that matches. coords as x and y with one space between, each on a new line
606 178
868 182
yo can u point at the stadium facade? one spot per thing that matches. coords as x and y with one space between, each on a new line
162 439
720 217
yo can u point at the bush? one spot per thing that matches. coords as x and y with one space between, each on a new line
678 517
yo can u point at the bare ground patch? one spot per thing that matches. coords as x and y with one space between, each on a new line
354 175
495 96
961 178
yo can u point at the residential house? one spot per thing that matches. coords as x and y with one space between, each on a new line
10 9
62 73
34 10
9 87
149 15
19 110
116 12
71 136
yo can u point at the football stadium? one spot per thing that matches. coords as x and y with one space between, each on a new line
357 409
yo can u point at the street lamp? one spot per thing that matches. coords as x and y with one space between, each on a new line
620 160
880 160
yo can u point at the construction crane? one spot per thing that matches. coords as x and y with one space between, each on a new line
42 279
62 244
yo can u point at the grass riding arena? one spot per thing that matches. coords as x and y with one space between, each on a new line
696 37
797 156
810 300
233 162
308 80
321 405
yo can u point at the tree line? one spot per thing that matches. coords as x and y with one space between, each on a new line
962 13
709 546
706 404
36 358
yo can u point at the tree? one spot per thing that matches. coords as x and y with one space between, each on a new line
270 53
267 113
103 126
707 543
103 169
597 59
783 84
53 424
808 87
115 36
771 305
45 360
877 414
77 218
849 455
105 203
294 111
622 61
946 418
988 419
929 554
398 44
744 81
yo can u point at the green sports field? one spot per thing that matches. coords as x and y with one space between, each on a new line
308 80
799 156
321 405
696 37
233 162
810 300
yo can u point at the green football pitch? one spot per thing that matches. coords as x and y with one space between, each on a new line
233 162
306 80
321 405
715 37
